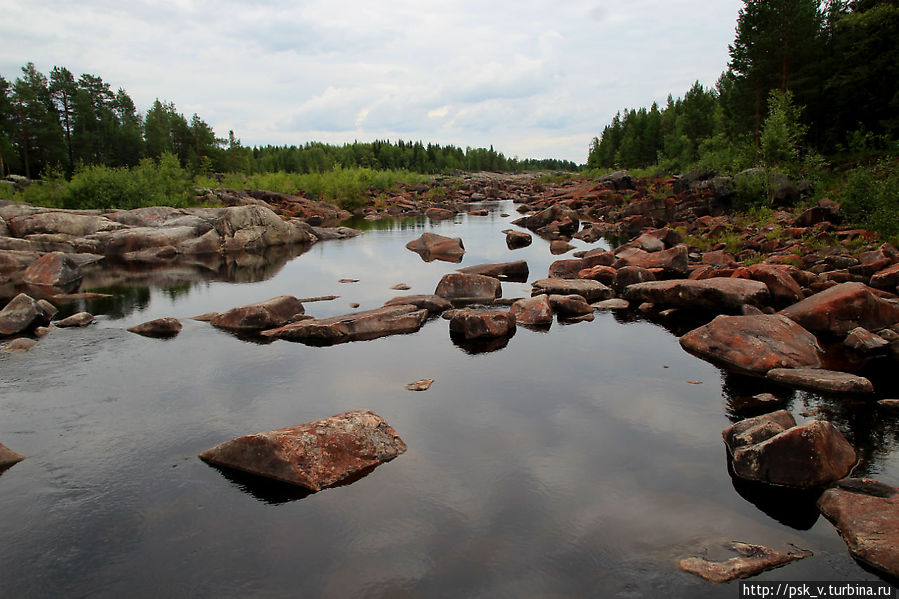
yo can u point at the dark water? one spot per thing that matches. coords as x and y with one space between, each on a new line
571 463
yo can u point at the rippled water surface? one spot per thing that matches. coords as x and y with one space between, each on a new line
573 462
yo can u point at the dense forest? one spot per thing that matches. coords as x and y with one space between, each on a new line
60 123
805 79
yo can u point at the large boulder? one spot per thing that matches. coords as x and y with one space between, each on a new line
23 314
473 325
269 314
866 513
358 326
784 289
58 221
887 279
810 455
817 379
314 455
8 458
252 229
534 311
463 287
55 269
841 308
717 294
511 271
672 262
431 246
592 291
754 344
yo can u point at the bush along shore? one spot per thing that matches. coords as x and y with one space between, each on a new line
791 295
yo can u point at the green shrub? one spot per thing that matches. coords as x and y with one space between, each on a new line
751 190
872 198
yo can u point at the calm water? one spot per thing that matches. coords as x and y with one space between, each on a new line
574 462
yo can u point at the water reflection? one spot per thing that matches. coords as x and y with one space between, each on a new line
791 507
266 490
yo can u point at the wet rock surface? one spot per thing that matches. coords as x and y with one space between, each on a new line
358 326
749 561
8 458
817 379
314 455
866 513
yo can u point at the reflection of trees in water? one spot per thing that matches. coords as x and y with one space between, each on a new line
123 301
386 224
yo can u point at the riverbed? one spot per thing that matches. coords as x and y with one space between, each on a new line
583 460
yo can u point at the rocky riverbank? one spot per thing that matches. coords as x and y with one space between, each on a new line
797 300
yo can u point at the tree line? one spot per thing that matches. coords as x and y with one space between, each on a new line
824 73
60 123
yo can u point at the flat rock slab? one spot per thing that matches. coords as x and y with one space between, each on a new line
754 344
434 304
55 269
161 327
8 458
750 560
719 294
841 308
269 314
866 512
358 326
314 455
816 379
592 291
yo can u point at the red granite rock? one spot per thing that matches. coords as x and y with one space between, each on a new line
719 294
481 324
269 314
8 458
532 311
431 246
841 308
315 455
368 324
161 327
467 287
511 271
55 269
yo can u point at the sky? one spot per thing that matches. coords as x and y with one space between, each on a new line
535 80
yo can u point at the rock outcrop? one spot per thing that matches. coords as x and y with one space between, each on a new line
314 455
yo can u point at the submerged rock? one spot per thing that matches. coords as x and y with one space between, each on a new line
161 327
314 455
358 326
434 304
866 513
751 560
817 379
754 344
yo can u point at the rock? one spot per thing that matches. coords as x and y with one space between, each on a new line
630 275
8 458
269 314
757 402
565 219
161 327
558 247
347 280
252 229
431 246
816 379
592 291
887 279
603 274
612 304
510 271
673 262
810 455
368 324
717 294
420 385
58 221
719 258
517 239
439 214
754 344
481 324
80 319
889 404
751 431
619 180
314 455
42 331
54 270
23 314
20 344
864 341
533 311
400 287
866 513
841 308
752 560
464 287
570 305
784 289
434 304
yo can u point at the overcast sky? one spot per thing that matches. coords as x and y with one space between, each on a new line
536 80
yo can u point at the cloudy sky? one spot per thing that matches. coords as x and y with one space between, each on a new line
534 79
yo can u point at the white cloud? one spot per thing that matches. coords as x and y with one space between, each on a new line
533 81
